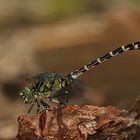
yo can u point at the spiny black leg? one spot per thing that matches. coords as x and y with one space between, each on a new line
67 98
65 103
53 100
31 107
38 107
44 104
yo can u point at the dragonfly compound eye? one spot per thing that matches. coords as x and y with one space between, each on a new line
26 94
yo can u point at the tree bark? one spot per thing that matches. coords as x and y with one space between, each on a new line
82 123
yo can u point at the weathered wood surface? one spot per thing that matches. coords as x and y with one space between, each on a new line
82 123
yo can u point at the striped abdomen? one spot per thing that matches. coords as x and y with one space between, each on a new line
132 46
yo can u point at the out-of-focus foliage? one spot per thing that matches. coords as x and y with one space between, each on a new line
28 12
15 12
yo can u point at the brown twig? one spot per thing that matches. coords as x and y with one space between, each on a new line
82 123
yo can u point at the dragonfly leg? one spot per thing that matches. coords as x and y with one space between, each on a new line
44 104
38 107
67 97
31 107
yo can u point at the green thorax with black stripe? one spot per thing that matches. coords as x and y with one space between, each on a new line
50 81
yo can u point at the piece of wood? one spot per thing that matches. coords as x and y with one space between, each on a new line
82 123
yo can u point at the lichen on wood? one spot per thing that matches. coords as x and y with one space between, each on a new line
82 123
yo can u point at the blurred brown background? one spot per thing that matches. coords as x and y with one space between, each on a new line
63 35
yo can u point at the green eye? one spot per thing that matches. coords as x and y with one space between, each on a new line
26 92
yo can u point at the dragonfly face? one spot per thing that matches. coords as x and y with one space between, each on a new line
26 94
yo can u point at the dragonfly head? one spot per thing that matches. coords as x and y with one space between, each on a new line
26 94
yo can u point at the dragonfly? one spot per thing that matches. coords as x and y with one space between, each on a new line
44 87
